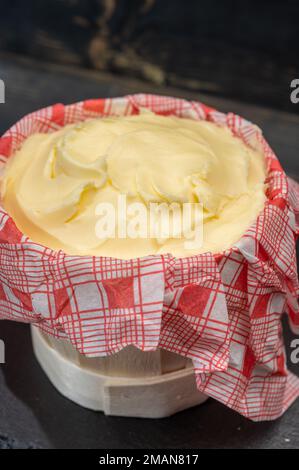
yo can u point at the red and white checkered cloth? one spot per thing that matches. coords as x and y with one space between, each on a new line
222 311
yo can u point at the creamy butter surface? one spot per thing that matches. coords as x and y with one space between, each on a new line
53 184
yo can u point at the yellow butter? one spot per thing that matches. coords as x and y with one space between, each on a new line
54 183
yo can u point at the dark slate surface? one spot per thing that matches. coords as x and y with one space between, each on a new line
246 50
32 413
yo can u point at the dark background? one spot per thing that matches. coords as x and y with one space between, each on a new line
235 56
246 49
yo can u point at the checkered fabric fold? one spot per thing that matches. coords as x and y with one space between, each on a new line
223 311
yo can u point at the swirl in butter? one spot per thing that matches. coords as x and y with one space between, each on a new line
53 184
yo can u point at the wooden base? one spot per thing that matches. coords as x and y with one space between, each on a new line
154 396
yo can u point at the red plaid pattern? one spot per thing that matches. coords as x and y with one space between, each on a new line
223 311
